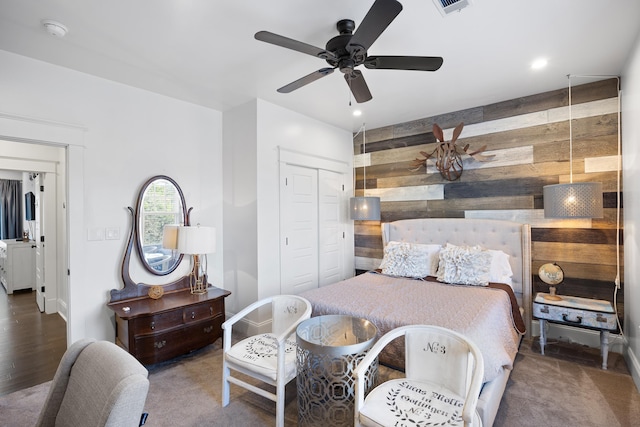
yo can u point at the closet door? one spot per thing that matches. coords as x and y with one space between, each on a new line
330 227
299 229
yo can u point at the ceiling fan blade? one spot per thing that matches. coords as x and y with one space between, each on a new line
381 14
282 41
358 86
303 81
420 63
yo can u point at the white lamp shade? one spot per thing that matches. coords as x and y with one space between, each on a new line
170 236
575 200
196 240
365 208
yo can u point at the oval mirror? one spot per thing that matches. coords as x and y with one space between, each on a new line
160 203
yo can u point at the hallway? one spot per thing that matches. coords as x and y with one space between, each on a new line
31 343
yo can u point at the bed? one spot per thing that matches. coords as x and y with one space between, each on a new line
495 316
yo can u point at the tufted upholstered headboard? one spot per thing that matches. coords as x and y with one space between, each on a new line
510 237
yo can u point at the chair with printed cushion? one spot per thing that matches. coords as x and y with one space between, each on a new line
443 377
269 357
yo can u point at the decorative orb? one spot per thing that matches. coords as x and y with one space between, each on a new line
551 274
156 292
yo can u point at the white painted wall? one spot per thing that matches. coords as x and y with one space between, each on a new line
278 127
240 179
130 135
253 134
630 83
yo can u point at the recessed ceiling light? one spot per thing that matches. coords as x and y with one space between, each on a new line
357 113
54 28
539 64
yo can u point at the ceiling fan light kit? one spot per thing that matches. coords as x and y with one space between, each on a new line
348 50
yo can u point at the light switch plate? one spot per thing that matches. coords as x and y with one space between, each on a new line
112 233
94 234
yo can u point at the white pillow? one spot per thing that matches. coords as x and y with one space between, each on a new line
500 268
464 265
410 259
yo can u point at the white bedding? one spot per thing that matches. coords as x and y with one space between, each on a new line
482 314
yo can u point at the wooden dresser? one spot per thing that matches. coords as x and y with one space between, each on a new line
154 330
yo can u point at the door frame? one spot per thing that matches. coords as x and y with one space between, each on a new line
31 130
287 156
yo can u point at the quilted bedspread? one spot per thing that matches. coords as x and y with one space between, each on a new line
483 314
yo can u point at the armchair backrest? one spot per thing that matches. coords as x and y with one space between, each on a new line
441 356
99 384
288 310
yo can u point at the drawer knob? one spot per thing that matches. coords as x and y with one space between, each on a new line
211 311
153 325
193 314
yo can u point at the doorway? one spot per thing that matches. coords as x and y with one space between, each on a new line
35 333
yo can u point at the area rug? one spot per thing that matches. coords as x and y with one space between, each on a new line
542 391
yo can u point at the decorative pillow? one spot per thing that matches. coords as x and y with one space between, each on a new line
410 259
464 265
500 271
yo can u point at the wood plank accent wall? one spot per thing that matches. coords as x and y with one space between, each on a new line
530 140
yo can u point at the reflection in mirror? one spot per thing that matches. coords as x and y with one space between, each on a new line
160 203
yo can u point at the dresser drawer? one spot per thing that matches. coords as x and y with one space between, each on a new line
206 310
166 345
575 316
156 322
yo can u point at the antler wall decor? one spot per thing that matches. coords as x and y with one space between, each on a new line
448 156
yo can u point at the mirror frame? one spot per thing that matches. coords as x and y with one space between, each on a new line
131 289
138 218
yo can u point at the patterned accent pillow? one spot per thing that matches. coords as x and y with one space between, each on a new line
410 259
464 265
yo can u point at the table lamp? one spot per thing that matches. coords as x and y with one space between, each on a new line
197 241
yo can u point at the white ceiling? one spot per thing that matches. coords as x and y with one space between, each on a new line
203 51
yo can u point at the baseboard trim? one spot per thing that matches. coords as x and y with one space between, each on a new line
634 366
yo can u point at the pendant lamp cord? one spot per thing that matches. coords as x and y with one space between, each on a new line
618 191
364 166
570 135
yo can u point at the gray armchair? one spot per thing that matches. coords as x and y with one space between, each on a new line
97 384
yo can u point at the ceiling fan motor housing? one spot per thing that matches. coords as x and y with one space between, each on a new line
344 59
348 50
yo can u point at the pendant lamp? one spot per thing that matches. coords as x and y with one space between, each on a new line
572 200
364 208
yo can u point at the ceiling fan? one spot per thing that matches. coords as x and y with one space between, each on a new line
349 50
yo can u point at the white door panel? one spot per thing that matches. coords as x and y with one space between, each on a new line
312 228
331 227
40 280
299 228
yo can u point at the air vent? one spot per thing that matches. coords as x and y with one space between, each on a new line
446 7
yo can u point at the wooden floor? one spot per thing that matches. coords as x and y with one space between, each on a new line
31 343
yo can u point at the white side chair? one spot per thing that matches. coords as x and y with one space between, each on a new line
443 376
269 357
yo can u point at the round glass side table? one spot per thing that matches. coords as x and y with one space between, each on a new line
329 350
